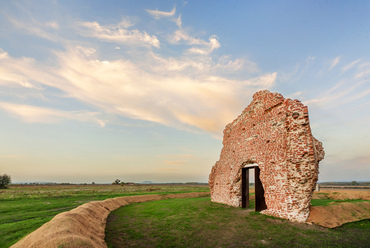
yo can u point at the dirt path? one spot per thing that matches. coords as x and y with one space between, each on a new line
84 226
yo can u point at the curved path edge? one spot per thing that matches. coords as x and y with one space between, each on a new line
84 226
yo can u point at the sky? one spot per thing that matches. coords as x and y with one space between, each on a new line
93 91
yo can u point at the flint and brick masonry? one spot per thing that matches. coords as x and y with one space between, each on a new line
275 133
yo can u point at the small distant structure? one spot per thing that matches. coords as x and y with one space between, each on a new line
273 137
130 184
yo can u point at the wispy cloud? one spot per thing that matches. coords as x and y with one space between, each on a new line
342 84
178 21
159 14
36 114
200 46
334 63
124 88
198 65
118 33
363 71
45 30
21 72
350 65
344 91
185 91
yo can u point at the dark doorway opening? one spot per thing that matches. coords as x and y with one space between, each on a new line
260 203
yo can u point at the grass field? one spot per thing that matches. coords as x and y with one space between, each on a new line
25 208
171 223
197 222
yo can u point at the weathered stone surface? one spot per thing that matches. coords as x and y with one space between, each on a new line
273 132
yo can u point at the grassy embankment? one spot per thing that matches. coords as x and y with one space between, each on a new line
23 209
197 222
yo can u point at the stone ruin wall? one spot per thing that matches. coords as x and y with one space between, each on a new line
273 132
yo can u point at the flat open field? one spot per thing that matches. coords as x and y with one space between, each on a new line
180 222
23 209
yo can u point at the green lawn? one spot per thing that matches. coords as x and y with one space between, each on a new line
326 202
197 222
24 209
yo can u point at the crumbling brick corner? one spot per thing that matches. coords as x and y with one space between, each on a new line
275 133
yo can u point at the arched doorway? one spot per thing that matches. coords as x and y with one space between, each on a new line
260 203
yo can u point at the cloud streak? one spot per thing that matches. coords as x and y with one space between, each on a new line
124 88
185 92
201 46
334 63
34 114
160 14
45 30
118 33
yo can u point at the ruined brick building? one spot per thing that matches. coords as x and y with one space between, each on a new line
273 133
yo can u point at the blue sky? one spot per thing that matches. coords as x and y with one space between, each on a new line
141 90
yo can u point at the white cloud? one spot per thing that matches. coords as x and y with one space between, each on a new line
52 25
363 71
348 88
124 88
142 91
16 72
37 28
178 21
191 65
311 58
118 33
162 14
187 91
35 114
201 46
159 14
334 63
350 65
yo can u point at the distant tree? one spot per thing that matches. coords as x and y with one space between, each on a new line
93 183
122 183
354 183
116 182
5 180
